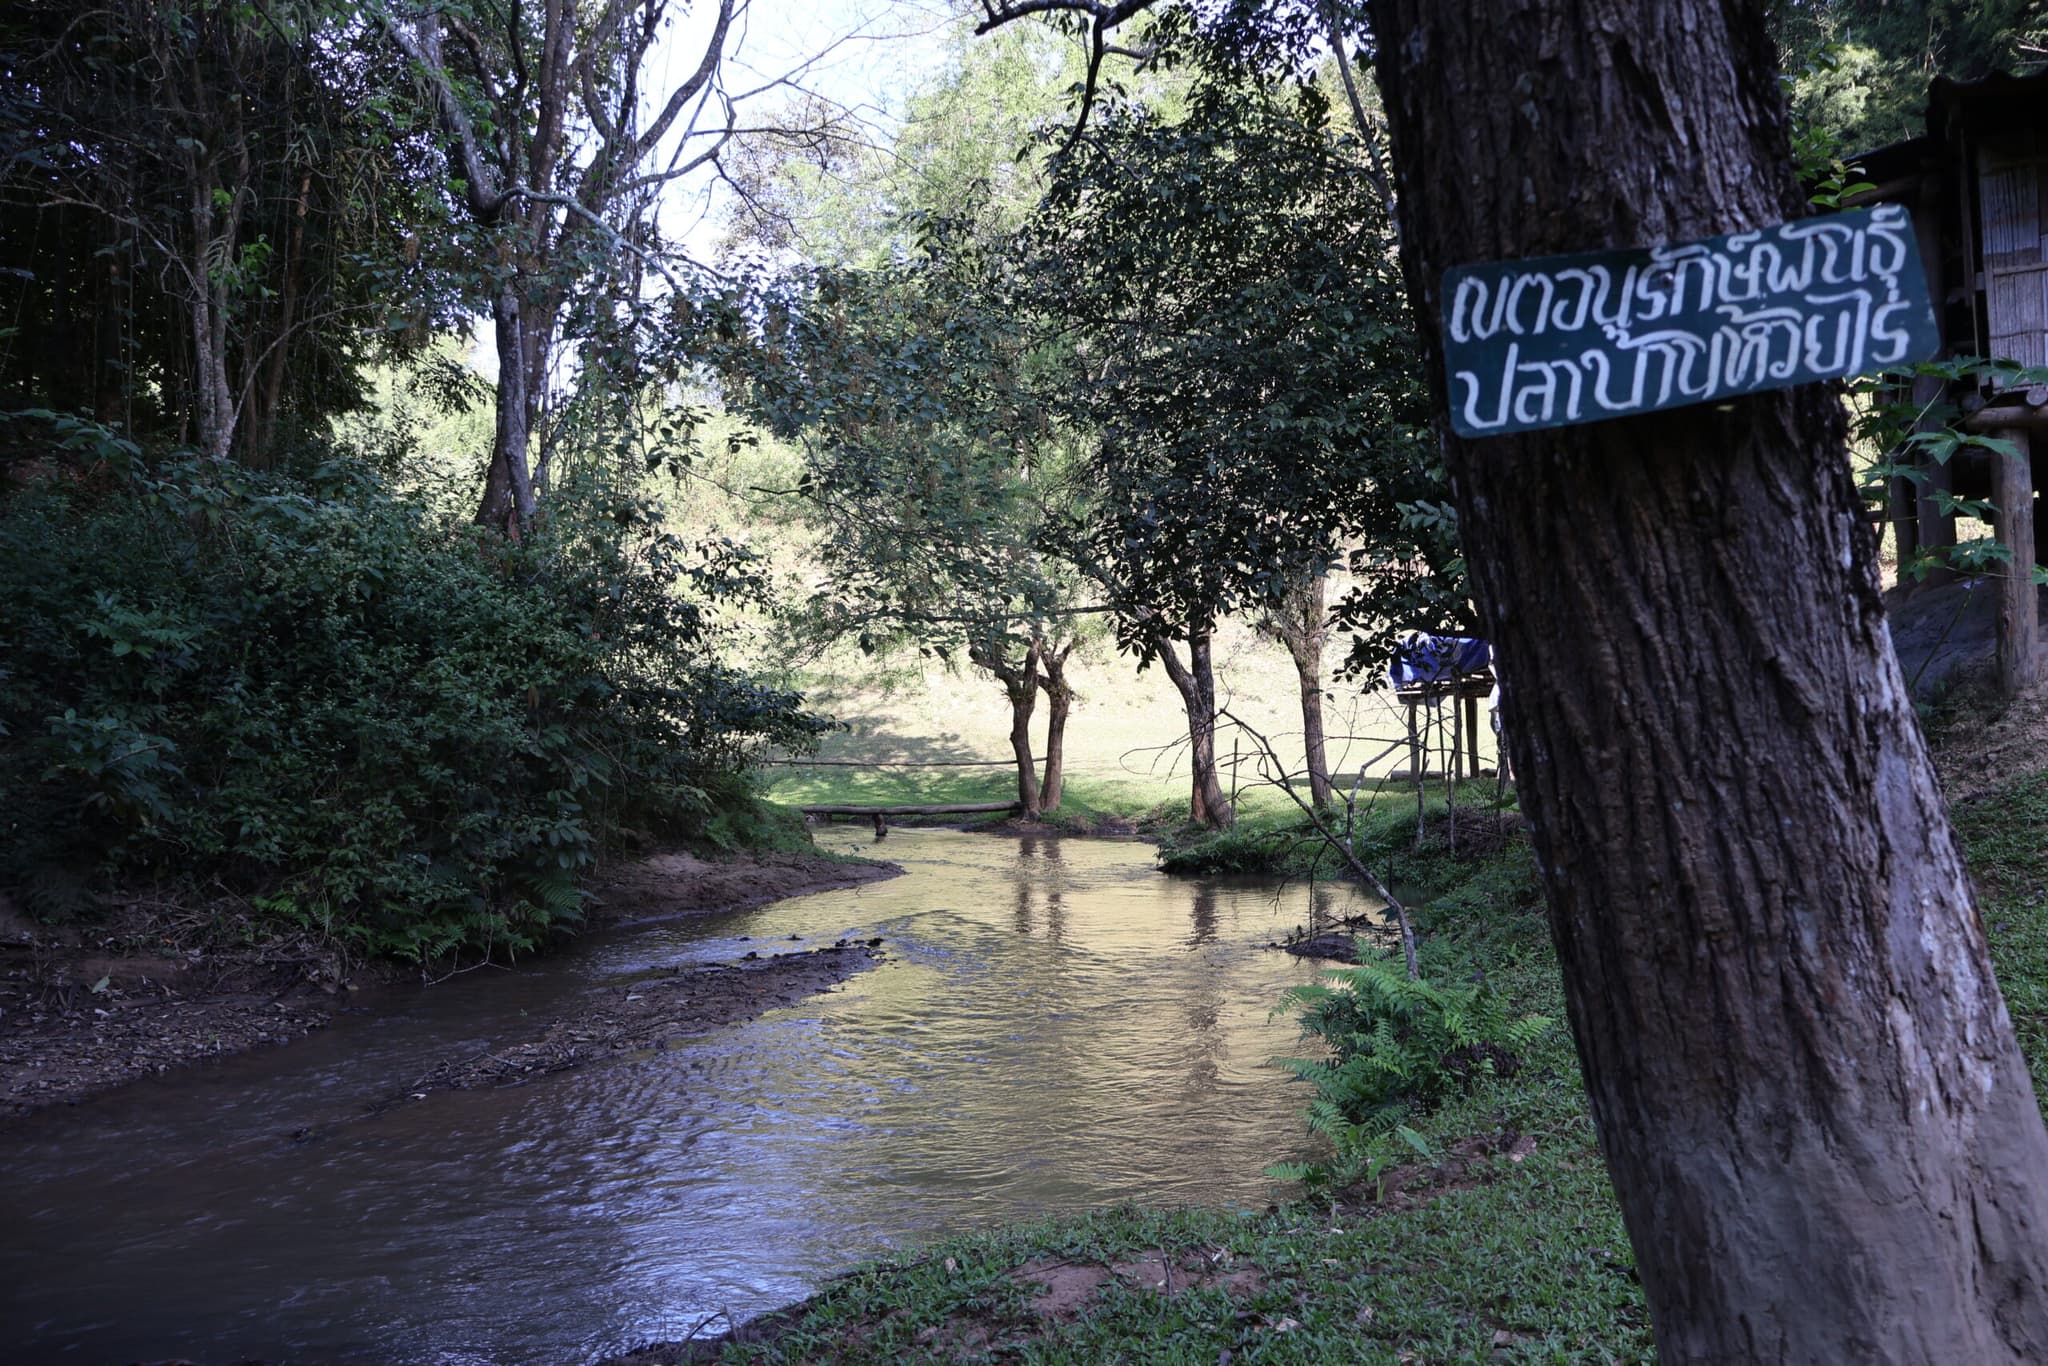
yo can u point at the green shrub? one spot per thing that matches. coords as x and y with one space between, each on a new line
402 731
1397 1048
1244 848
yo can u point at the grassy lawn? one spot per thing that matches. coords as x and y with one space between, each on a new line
1126 740
1506 1246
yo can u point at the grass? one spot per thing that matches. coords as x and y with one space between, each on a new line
1126 739
2004 845
1273 836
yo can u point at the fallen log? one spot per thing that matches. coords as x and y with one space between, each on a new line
943 809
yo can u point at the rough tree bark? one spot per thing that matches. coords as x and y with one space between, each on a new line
1059 701
1020 685
1196 683
1805 1081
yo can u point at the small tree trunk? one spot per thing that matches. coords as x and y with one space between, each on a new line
508 489
1821 1130
1196 683
1020 685
1298 622
1059 699
206 308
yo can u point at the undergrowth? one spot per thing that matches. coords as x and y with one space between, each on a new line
388 727
1396 1050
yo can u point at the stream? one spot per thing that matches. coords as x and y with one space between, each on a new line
1056 1026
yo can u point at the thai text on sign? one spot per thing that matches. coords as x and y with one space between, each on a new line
1570 339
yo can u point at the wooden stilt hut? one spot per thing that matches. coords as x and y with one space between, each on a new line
1977 185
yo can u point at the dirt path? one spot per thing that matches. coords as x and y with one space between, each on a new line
153 988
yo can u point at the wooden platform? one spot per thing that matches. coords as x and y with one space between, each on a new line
943 809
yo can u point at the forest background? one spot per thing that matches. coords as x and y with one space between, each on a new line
405 504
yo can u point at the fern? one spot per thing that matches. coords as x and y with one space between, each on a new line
1398 1048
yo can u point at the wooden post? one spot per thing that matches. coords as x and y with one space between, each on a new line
1916 513
2019 629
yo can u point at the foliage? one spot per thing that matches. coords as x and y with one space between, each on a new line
208 224
905 385
1399 1047
964 153
1242 355
1913 438
406 734
1253 846
1861 68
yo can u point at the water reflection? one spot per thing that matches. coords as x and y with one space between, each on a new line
1056 1026
1041 887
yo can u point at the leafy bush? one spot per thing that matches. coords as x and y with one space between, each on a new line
401 731
1247 847
1398 1048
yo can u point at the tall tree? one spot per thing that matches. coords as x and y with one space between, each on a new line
1740 833
557 148
925 461
1243 355
204 219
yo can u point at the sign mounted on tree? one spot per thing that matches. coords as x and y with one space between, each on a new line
1561 340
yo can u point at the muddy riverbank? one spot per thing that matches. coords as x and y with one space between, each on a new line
158 986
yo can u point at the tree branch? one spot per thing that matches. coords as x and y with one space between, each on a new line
1342 847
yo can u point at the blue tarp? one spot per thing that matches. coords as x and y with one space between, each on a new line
1420 660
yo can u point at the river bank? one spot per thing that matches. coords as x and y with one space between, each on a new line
1505 1243
158 986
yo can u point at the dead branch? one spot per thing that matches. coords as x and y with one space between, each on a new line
1340 846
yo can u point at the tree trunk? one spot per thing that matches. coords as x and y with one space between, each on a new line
1196 682
508 488
1824 1138
1301 626
1020 685
206 312
1059 699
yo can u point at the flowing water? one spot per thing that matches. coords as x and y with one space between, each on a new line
1056 1026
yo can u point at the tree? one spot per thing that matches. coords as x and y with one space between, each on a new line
1822 1133
1740 833
197 205
1301 622
925 461
1860 69
557 150
1242 356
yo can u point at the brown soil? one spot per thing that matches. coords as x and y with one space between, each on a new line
1064 1290
1465 1165
141 993
154 986
1980 747
664 886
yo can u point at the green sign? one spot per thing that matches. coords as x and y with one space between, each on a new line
1563 340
